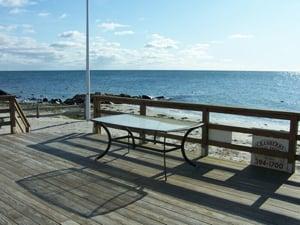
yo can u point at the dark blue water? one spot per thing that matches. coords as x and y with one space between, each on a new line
268 90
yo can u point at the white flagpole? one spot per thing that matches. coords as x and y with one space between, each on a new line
88 74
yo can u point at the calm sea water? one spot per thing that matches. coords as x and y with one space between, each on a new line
268 90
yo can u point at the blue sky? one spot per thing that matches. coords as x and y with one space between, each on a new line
156 34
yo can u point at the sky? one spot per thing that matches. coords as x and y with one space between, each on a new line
156 34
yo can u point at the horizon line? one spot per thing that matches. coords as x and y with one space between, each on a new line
183 70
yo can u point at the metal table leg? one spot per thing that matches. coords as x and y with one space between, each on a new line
154 137
128 144
108 144
130 134
165 167
182 145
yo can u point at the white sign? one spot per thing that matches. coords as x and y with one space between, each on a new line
272 144
220 135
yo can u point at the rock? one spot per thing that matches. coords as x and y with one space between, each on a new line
76 100
45 99
124 96
79 99
33 99
146 97
69 101
3 92
106 102
56 101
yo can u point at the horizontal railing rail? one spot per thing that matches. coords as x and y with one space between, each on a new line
6 97
291 135
200 107
47 109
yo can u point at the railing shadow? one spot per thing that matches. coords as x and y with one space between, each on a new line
260 182
52 126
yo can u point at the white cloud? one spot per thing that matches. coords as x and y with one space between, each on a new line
24 50
160 42
197 51
71 39
8 28
24 28
227 60
63 16
27 28
65 44
217 42
17 11
43 14
72 34
111 26
124 32
241 36
14 3
105 51
68 52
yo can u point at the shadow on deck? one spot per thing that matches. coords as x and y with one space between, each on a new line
82 192
236 191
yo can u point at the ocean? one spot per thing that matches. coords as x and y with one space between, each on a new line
266 90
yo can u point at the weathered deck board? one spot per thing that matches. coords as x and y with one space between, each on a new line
52 179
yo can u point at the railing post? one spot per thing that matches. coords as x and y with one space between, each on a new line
37 110
12 115
143 112
293 142
205 129
97 113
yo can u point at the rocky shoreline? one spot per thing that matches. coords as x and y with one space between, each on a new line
79 99
3 92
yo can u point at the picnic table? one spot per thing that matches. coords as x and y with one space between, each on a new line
145 124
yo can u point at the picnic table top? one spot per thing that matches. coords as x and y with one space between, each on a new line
147 123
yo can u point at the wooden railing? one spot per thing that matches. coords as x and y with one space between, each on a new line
291 135
37 110
14 116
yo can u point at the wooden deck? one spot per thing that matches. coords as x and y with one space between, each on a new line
51 179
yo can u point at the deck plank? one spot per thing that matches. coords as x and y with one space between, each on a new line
52 179
11 216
